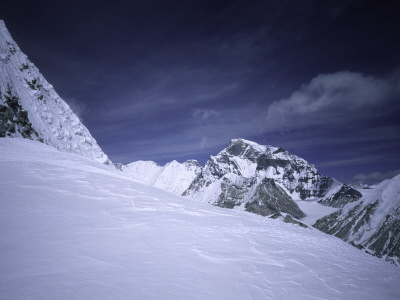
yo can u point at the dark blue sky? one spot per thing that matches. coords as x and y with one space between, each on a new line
163 80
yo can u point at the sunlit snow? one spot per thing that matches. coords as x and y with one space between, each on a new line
71 228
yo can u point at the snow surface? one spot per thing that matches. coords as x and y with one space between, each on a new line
71 228
174 177
387 193
314 210
50 116
144 171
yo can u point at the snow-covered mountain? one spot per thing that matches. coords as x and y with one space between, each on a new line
269 181
265 179
71 228
31 108
174 177
370 222
340 196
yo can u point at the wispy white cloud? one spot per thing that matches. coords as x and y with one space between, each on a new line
205 114
77 106
375 177
337 99
328 112
350 162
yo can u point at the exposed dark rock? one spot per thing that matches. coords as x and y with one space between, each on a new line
118 166
349 226
3 130
196 185
345 195
322 186
12 102
276 215
233 193
279 150
6 114
263 162
13 118
266 165
358 246
289 219
33 84
24 67
386 240
10 127
270 198
343 226
22 117
240 148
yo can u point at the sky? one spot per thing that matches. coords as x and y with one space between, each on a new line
164 80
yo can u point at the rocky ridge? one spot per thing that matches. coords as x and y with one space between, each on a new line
265 179
31 108
343 196
260 179
371 223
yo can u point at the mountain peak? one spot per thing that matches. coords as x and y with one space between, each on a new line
238 146
31 108
245 163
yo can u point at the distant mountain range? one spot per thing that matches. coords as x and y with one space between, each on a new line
264 180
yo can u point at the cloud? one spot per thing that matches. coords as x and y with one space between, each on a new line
375 177
205 114
78 107
340 98
203 143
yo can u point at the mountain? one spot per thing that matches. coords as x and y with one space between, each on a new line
265 179
341 197
370 222
174 177
31 108
72 228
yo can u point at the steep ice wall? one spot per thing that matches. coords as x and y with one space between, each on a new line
31 108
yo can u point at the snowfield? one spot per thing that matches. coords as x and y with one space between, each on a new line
72 228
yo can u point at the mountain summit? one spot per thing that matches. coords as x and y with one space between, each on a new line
31 108
260 179
265 179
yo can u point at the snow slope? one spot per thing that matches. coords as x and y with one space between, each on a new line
31 108
174 177
71 228
372 222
